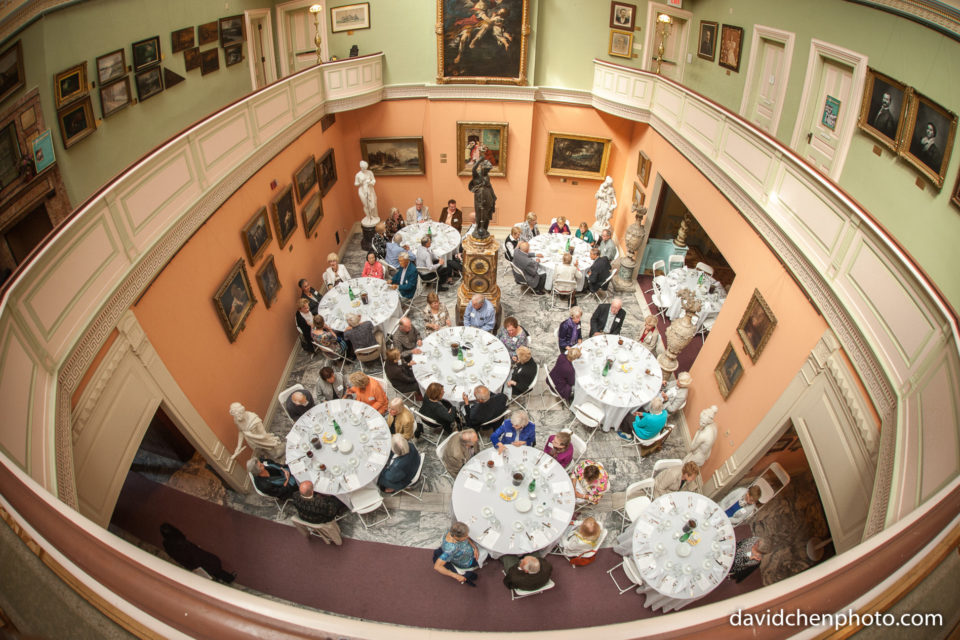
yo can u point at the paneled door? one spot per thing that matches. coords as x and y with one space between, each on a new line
296 33
767 76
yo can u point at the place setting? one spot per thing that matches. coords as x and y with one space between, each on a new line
461 358
371 298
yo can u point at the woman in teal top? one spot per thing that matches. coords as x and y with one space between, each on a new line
584 233
457 551
648 424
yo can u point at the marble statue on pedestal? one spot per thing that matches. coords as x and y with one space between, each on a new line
251 429
606 204
702 443
365 180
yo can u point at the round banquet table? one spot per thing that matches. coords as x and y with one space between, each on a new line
336 304
522 524
486 361
366 436
676 573
445 238
710 293
627 385
553 246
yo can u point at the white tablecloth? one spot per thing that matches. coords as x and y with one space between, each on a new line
523 524
626 386
369 442
335 306
486 362
553 246
679 571
709 292
445 238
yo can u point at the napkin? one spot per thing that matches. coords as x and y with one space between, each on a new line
490 539
472 484
703 583
669 585
561 515
294 437
645 528
539 539
378 458
353 480
323 485
559 487
298 467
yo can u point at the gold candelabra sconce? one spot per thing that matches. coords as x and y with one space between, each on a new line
316 10
664 26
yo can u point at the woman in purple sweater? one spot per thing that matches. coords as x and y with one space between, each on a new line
563 374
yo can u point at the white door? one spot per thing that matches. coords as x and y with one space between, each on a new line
297 31
674 42
768 71
263 66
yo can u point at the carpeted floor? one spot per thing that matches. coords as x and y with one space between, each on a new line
687 356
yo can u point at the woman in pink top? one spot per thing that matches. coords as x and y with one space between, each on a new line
560 449
372 268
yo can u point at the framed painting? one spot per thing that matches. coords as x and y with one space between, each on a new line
731 45
350 17
146 53
11 70
209 61
111 66
621 44
643 168
482 140
312 214
191 59
269 281
181 39
394 156
326 172
11 159
207 33
622 16
70 84
43 154
707 45
482 42
231 30
756 326
955 196
233 55
639 197
256 235
305 179
928 137
234 300
76 122
149 83
575 156
884 108
327 121
284 215
728 371
115 96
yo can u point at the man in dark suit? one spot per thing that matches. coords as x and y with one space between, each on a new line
530 268
405 278
455 216
608 318
298 403
484 408
599 271
310 294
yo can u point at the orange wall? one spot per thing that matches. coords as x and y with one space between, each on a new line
177 311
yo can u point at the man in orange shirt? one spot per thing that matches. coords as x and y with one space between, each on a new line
368 391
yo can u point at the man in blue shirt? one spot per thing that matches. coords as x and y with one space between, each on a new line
516 430
405 279
393 254
479 313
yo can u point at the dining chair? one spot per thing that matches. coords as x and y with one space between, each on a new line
603 287
563 288
631 571
367 500
675 262
286 393
705 268
279 503
418 477
516 594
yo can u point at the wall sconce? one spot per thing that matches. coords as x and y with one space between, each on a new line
664 23
316 9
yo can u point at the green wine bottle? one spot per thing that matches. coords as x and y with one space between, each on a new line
533 485
350 293
606 367
460 354
336 428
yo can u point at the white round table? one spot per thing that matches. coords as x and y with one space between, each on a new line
675 570
521 524
367 440
336 305
445 238
486 361
553 246
707 290
633 380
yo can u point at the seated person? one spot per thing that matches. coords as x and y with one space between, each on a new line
304 318
510 244
435 408
418 212
372 268
401 466
459 450
399 419
316 508
368 391
598 272
479 313
741 503
298 403
524 372
645 424
559 226
563 375
435 315
569 333
485 407
683 478
393 254
308 293
427 261
607 247
559 448
583 538
608 318
566 272
529 267
394 223
512 335
517 430
399 373
675 392
457 551
378 243
272 478
407 339
330 386
749 554
361 333
405 279
455 219
584 233
650 337
590 481
529 230
528 573
323 334
335 273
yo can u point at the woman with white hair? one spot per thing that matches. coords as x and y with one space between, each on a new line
529 230
569 334
650 337
401 466
646 424
517 430
675 392
335 273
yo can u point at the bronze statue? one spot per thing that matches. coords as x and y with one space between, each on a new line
484 199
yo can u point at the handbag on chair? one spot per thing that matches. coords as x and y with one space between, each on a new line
584 558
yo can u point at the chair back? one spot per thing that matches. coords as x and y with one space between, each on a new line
368 354
256 489
679 261
442 447
286 393
427 275
579 446
564 287
366 499
666 463
589 414
704 267
495 421
425 420
518 274
658 264
639 488
657 438
771 482
609 278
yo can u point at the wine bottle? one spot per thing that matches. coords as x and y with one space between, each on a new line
350 293
606 367
336 427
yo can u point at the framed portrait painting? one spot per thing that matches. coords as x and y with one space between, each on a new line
622 16
482 42
76 122
256 235
312 214
639 197
576 156
284 215
728 371
644 164
234 300
70 84
149 83
181 39
621 44
111 66
115 96
327 172
350 17
146 53
305 179
731 46
231 30
884 108
928 137
482 141
269 281
11 70
756 326
707 45
394 156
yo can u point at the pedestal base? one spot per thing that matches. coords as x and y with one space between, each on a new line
479 274
626 278
368 233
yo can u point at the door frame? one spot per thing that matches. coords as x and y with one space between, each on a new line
286 7
270 64
820 50
786 38
650 40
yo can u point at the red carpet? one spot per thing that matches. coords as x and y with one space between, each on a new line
377 581
688 355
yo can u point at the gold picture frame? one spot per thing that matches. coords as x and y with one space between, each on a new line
70 84
644 164
574 156
756 326
728 371
883 111
234 300
931 160
269 281
76 121
478 140
621 44
284 215
490 51
256 235
394 156
312 214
